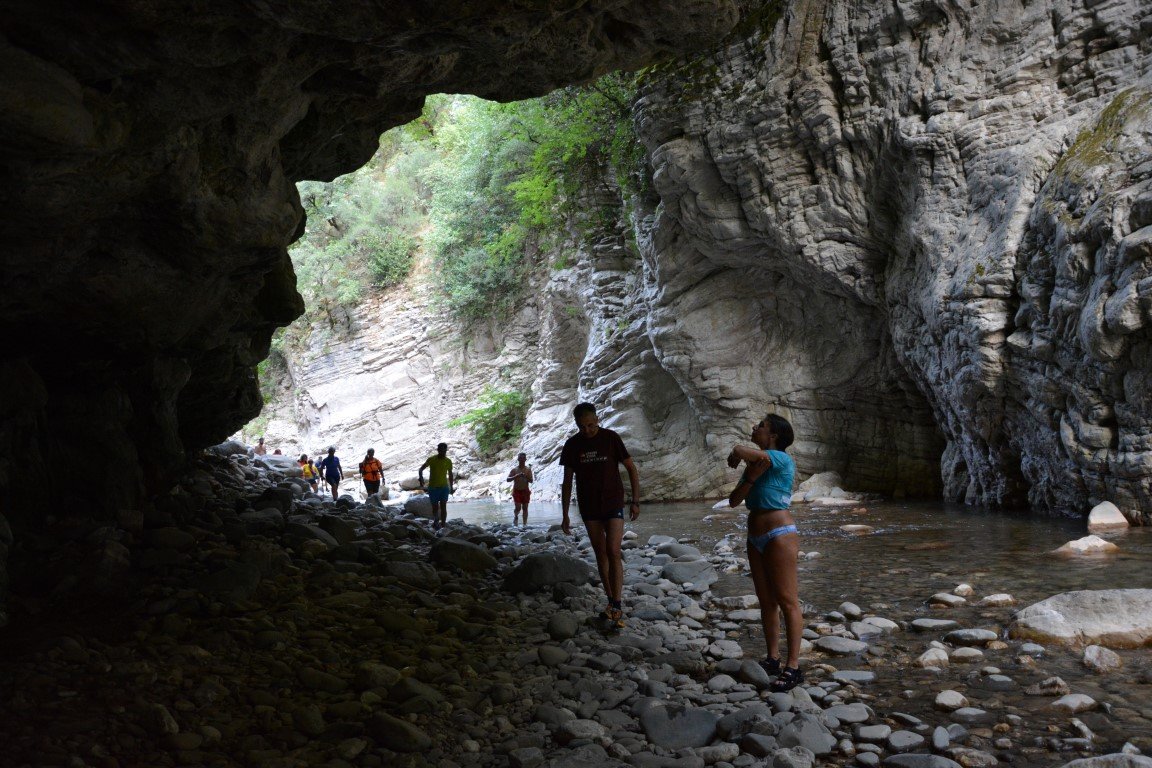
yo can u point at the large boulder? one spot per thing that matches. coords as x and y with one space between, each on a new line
542 570
1106 516
1115 618
468 557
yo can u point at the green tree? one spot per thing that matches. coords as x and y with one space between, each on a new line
497 421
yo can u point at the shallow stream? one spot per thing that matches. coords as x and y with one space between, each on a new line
915 551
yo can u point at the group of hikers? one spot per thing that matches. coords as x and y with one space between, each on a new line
593 457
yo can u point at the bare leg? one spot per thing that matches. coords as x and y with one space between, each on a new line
525 506
782 573
605 536
516 514
769 606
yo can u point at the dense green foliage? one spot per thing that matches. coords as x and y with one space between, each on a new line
479 188
497 421
514 174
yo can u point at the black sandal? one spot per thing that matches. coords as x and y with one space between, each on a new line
789 678
771 665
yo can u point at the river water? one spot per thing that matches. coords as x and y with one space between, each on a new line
915 551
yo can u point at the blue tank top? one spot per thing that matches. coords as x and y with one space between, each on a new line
773 489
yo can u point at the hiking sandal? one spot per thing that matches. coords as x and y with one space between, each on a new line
771 665
789 678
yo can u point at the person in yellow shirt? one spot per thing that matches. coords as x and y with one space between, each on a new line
308 470
441 483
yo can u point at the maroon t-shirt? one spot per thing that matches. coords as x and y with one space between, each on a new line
595 462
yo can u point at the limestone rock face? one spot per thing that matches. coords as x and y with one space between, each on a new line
885 216
148 154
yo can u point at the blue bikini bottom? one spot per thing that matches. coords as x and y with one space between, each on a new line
761 541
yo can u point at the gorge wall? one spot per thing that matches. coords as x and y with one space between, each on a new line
947 200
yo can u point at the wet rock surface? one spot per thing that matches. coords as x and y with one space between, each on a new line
261 646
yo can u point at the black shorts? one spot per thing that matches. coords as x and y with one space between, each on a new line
372 486
602 517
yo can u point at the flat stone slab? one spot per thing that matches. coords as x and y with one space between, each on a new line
934 625
854 676
840 646
1114 618
970 637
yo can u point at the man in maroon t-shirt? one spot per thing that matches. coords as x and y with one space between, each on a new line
593 456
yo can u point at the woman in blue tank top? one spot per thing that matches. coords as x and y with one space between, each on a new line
773 543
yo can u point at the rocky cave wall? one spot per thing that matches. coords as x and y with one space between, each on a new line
946 200
148 154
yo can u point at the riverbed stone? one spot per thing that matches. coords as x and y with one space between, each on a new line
572 730
468 557
1101 659
971 716
543 570
1116 618
947 600
854 676
1106 516
1051 686
398 735
1116 760
699 572
903 741
676 726
920 761
934 625
840 646
806 730
970 637
856 712
950 700
1088 545
998 600
794 757
1074 703
933 658
966 655
874 734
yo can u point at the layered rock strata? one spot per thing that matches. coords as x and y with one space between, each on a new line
940 201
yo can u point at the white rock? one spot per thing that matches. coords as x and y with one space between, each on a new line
1101 659
933 658
964 590
1074 703
857 530
998 600
946 599
1089 545
1105 516
822 482
1117 618
950 701
967 655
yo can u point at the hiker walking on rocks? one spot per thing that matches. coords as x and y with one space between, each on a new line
593 456
441 484
371 472
333 474
773 542
308 470
521 477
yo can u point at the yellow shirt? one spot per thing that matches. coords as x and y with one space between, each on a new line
438 468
